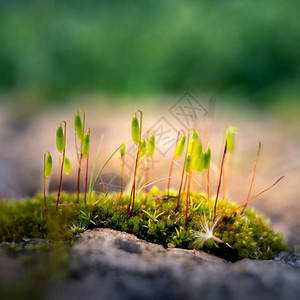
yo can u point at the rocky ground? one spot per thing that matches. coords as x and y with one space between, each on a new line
116 265
108 264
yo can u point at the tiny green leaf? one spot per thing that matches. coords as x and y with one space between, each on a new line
48 165
180 147
143 148
67 166
187 163
78 127
122 150
151 145
86 144
60 139
207 157
229 137
135 130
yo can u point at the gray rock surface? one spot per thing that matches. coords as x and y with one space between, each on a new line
107 264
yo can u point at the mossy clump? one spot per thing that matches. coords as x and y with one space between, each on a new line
154 220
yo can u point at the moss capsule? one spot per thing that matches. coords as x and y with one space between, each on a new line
229 137
48 165
143 148
86 144
180 147
151 145
67 166
187 163
193 143
122 150
198 148
135 130
194 162
78 127
200 164
60 139
207 157
196 157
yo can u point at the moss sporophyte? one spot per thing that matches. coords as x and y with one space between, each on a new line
47 173
136 134
61 147
151 149
79 130
187 218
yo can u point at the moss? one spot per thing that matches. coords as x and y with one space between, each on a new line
247 235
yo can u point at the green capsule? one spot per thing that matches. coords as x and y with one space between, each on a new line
193 143
86 144
143 148
196 157
180 147
200 164
48 165
187 163
194 135
151 145
198 149
194 163
135 130
67 166
78 127
207 157
60 139
229 137
122 150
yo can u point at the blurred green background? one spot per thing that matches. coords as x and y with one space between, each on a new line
239 49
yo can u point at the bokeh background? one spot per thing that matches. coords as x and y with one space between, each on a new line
113 57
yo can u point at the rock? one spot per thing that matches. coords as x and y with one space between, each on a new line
10 269
290 257
107 264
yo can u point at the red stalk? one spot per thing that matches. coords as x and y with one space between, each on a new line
220 179
188 195
86 178
255 197
183 193
182 174
254 172
122 178
132 194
